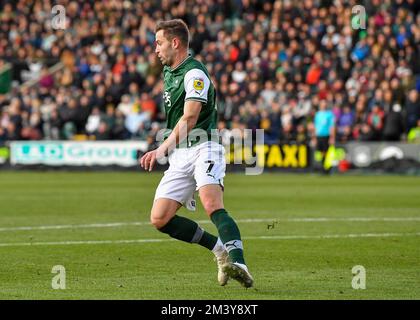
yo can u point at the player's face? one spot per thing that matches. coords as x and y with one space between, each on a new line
164 48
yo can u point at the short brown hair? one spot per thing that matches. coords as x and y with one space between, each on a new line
174 28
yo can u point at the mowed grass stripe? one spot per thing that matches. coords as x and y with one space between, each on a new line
145 223
285 237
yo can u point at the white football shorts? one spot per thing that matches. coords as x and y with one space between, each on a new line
189 170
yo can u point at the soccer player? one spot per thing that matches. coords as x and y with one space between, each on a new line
195 164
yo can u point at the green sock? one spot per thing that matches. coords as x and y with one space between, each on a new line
229 234
187 230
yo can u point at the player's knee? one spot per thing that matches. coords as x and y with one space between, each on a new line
211 205
158 222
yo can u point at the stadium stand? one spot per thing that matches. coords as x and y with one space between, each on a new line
272 62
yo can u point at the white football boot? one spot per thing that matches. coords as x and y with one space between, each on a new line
239 272
222 258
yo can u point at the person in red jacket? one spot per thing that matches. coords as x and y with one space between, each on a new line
376 121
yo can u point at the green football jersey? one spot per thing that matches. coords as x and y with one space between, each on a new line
189 81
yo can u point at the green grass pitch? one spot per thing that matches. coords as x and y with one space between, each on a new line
302 234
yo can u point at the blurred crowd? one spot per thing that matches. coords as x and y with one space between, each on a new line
273 63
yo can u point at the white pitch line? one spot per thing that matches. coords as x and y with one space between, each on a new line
351 219
75 226
288 237
337 236
272 220
59 243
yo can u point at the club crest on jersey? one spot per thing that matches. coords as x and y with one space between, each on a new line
198 84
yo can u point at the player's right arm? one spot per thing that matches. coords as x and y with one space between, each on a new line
185 124
196 84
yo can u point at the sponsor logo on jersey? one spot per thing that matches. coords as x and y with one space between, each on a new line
198 84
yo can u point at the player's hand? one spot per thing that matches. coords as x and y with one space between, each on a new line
148 161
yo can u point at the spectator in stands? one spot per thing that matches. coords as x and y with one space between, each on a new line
414 134
102 132
393 124
127 105
69 116
32 126
12 133
52 125
376 100
136 122
344 124
119 132
412 108
93 121
366 133
375 120
148 105
46 80
301 135
3 136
